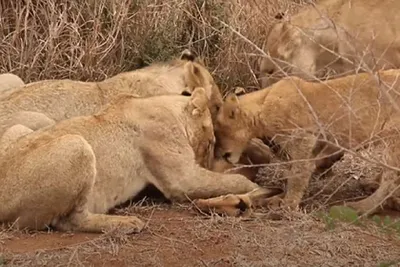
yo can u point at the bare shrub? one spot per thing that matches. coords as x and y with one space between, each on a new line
351 173
91 40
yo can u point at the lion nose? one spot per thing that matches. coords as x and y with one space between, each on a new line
227 155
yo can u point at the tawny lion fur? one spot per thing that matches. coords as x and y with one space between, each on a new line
44 103
9 82
70 174
351 111
333 38
62 99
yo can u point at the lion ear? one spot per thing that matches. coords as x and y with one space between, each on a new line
231 105
188 55
232 99
290 42
198 101
192 75
239 91
196 76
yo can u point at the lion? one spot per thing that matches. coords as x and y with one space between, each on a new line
307 121
252 159
63 99
69 175
332 38
9 82
44 103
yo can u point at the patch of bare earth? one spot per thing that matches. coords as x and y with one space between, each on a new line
178 236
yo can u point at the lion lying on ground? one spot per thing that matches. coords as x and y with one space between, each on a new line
68 175
63 99
306 120
333 38
44 103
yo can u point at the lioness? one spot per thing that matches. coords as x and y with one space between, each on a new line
343 113
63 99
70 174
333 38
44 103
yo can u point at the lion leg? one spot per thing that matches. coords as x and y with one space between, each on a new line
390 182
327 154
230 194
35 188
181 182
80 218
371 204
59 176
83 220
299 149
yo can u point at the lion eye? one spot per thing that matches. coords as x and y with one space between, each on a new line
232 114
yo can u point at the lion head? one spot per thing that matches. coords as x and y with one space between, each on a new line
302 51
288 55
197 75
231 130
200 128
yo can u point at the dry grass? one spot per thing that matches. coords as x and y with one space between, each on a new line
92 40
177 238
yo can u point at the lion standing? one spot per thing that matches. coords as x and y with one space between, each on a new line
307 120
333 38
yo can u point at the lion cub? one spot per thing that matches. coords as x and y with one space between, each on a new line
307 120
70 174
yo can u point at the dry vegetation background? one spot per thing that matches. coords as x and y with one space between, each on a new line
94 39
91 40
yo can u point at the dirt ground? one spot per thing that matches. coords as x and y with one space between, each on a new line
177 235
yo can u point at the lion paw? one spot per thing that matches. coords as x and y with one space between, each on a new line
231 205
128 225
